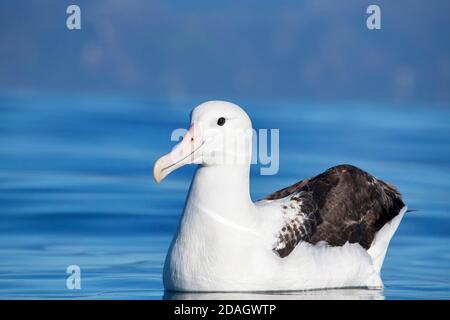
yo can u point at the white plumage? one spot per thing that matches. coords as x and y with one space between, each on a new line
226 242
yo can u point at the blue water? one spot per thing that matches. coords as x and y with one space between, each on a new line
76 188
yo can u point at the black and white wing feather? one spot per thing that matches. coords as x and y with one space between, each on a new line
343 204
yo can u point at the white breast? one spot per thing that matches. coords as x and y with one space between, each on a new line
210 253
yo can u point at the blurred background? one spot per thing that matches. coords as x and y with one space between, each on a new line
252 49
84 113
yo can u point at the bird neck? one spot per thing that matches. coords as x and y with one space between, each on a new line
222 190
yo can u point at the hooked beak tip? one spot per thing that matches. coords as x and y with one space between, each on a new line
157 172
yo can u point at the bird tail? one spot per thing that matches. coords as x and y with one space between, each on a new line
381 241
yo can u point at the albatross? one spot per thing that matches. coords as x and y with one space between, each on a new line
328 231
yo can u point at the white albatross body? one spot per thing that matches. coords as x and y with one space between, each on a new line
225 241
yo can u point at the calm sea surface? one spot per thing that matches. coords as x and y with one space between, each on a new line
76 188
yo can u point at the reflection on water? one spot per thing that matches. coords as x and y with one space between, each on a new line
331 294
76 188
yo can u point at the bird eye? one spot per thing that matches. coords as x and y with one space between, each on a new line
221 121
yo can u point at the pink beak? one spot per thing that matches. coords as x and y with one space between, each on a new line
183 153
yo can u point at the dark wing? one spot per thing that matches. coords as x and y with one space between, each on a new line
342 204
